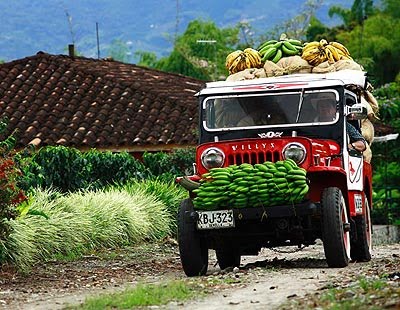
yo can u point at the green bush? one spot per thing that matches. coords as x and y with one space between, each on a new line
10 193
178 162
386 157
60 167
108 168
68 169
386 198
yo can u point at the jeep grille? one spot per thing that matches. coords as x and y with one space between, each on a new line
253 157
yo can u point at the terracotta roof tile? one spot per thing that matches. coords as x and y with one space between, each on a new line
55 99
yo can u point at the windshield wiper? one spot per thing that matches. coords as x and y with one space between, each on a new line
300 105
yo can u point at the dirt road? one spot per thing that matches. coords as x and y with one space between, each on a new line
262 282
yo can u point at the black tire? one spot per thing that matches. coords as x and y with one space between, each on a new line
227 257
362 246
335 234
192 249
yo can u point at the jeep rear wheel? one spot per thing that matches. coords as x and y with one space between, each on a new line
335 228
192 249
362 246
227 257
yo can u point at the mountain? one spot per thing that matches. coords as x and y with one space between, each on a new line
29 26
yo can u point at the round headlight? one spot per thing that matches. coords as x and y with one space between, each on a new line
295 151
212 158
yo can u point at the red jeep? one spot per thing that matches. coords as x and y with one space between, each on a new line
269 121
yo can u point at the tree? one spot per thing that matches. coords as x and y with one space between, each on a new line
146 59
371 35
120 51
201 50
297 26
376 45
317 31
354 16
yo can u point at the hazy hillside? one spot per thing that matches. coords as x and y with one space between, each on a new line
29 26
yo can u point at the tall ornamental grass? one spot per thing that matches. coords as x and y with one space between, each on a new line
84 221
169 193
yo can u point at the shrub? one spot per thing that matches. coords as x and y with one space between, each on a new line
10 194
108 168
68 170
178 162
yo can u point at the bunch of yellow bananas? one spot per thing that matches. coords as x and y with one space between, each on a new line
240 60
318 52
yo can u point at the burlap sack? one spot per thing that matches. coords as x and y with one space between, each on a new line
367 154
324 67
372 101
367 130
247 74
294 64
370 111
272 69
260 73
347 64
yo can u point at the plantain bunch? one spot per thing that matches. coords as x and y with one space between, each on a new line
274 50
240 60
246 185
316 52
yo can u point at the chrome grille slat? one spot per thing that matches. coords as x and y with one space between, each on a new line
253 157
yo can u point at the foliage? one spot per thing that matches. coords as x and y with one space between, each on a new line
108 168
370 33
386 158
142 295
83 221
169 193
296 27
388 97
146 59
386 180
368 292
178 162
354 16
10 194
68 169
201 50
119 51
60 167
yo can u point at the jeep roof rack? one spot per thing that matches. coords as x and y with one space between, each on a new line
307 80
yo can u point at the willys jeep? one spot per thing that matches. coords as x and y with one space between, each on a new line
278 123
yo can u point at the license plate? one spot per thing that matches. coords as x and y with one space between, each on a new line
215 219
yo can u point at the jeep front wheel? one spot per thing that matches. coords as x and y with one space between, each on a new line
335 228
192 249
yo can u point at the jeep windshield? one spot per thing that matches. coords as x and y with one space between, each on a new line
263 110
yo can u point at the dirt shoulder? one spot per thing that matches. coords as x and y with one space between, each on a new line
262 282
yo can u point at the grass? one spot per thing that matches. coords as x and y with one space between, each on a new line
142 295
368 293
82 222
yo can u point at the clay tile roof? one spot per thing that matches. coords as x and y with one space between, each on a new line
82 102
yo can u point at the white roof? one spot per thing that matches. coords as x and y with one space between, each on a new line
293 81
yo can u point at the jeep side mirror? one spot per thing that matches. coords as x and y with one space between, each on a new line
357 111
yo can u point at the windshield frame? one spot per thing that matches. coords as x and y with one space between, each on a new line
302 93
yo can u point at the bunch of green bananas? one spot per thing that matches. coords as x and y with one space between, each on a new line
240 60
247 185
317 52
274 50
